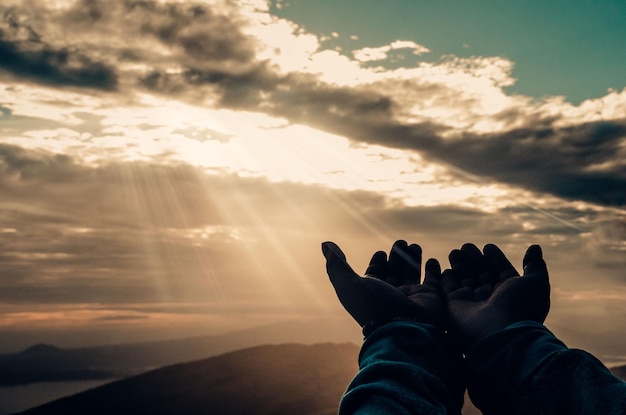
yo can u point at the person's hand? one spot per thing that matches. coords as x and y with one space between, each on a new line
485 293
391 288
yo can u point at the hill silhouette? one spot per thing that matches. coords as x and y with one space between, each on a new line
47 363
273 379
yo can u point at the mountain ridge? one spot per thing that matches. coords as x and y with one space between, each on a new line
44 362
267 379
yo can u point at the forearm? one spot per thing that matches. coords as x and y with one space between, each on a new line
525 369
405 368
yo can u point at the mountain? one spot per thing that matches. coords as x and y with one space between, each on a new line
47 363
273 379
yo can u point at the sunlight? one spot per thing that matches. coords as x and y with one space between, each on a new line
169 168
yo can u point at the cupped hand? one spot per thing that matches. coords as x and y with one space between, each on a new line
391 288
485 293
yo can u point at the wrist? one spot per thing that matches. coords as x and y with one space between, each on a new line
498 364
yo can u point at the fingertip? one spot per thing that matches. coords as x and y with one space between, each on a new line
455 257
332 250
492 249
379 257
432 267
415 249
470 248
400 245
535 249
415 253
533 253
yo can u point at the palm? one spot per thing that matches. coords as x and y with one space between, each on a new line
485 293
402 270
391 288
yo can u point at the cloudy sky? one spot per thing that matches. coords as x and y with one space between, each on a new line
169 168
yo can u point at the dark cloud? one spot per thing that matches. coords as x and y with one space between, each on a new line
575 162
205 47
578 162
211 58
230 87
25 165
215 54
23 53
204 36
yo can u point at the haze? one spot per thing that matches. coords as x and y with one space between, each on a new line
169 168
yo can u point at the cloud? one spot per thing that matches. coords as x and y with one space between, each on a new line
23 53
382 53
577 162
582 162
203 36
100 211
453 111
137 238
135 232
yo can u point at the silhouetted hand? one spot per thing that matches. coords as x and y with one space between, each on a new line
486 294
390 289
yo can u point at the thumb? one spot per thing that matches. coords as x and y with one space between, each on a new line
534 264
533 253
339 272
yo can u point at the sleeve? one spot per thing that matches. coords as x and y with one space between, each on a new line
525 369
406 368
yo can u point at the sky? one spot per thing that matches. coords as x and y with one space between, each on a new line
170 168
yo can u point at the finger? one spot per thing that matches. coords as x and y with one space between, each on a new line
432 273
534 264
330 248
340 273
412 272
463 269
400 263
500 264
480 270
378 266
533 253
472 253
455 257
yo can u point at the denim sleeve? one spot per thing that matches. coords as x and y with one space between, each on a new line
525 369
406 368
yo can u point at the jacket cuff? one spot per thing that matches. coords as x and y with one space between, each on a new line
501 362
